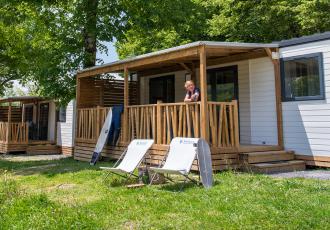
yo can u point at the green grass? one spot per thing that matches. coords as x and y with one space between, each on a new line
66 194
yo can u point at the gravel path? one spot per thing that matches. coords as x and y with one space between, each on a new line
314 174
22 158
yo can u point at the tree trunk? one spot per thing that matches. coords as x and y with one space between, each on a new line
90 32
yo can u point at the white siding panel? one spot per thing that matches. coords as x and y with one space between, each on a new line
306 124
262 102
65 130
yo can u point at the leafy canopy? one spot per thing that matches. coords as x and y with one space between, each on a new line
47 42
221 20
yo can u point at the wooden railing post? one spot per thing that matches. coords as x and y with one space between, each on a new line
98 121
9 124
26 132
159 123
236 123
126 103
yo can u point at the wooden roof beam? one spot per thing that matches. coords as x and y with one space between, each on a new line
119 67
186 67
237 57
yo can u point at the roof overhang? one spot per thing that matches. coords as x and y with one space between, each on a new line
24 99
182 54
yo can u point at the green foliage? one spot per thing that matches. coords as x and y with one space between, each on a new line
73 195
47 42
222 20
51 44
160 24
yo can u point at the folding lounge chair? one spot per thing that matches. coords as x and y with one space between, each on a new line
131 158
179 160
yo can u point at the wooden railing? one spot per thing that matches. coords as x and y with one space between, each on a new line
14 132
223 122
3 132
90 122
162 122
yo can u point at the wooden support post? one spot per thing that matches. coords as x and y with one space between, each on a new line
203 84
23 112
277 72
9 124
278 102
126 103
76 125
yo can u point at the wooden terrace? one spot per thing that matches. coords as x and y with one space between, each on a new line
215 121
22 129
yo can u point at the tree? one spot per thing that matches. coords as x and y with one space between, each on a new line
47 42
58 38
222 20
155 25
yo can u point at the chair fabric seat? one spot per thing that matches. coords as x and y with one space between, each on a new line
169 171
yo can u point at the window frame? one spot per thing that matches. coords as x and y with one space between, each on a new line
59 115
319 57
234 68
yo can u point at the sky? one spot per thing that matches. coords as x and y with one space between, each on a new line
112 54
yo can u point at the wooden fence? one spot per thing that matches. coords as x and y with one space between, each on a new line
224 125
163 122
14 132
90 122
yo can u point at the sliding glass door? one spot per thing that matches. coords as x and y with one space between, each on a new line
222 84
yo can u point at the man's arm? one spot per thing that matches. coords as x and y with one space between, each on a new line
187 99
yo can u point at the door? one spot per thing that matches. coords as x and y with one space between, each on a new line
222 84
43 121
28 117
161 88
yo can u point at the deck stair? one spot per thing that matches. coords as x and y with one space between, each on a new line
42 149
270 162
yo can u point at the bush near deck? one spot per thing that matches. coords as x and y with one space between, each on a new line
66 194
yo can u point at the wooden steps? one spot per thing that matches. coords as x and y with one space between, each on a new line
279 166
269 156
270 162
42 149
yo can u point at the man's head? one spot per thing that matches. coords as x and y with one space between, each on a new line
189 85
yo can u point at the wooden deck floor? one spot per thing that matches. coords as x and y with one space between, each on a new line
222 158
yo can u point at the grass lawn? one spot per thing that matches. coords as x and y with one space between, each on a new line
66 194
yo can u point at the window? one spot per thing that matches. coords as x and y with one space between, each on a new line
62 114
162 88
302 78
222 84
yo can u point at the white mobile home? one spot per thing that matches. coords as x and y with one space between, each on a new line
28 124
65 127
33 125
258 102
306 97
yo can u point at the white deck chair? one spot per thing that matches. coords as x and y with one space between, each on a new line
180 157
131 158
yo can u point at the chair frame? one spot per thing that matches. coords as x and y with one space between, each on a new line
186 176
124 175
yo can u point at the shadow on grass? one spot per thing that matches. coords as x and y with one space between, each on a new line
178 186
48 168
112 180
